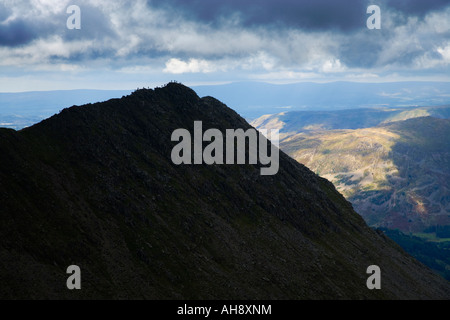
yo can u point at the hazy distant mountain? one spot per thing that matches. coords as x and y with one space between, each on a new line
249 99
95 186
23 109
293 122
396 174
254 99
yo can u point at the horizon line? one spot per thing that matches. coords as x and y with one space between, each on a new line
213 84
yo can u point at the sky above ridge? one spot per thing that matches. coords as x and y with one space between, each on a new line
130 44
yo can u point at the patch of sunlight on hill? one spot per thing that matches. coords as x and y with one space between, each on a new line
352 159
395 175
272 122
269 121
314 127
409 114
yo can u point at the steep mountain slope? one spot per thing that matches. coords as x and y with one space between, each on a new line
432 253
95 186
396 175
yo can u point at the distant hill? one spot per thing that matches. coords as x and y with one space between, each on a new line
396 174
254 99
95 186
23 109
249 99
293 122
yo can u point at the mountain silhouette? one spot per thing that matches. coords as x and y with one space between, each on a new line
94 186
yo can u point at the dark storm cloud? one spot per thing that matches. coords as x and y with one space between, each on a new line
361 50
312 15
23 30
4 12
317 15
297 36
415 7
17 33
95 25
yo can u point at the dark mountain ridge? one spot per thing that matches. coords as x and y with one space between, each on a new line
94 186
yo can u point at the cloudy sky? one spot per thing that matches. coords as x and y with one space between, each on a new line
145 43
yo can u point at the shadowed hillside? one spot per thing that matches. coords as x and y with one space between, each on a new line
95 186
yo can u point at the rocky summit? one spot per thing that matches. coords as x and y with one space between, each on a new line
95 187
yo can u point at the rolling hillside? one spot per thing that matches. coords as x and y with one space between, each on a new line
396 174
